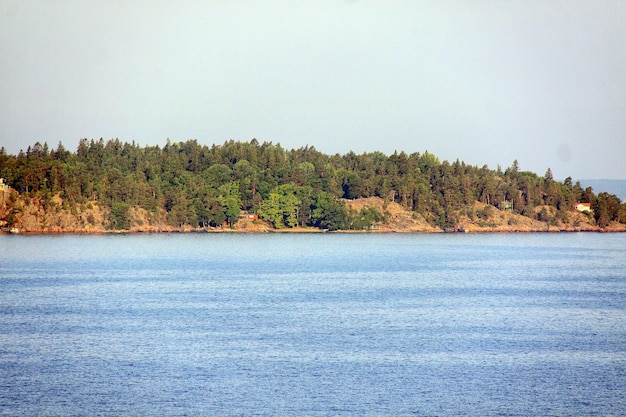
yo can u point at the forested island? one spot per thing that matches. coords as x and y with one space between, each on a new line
250 186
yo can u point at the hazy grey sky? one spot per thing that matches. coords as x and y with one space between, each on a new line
543 82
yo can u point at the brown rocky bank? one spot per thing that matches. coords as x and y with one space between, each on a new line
32 215
483 218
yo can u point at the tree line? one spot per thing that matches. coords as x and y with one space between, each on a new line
207 186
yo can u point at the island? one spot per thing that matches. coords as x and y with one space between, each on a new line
119 187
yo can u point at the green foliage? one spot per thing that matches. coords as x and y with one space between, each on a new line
621 213
364 219
206 186
230 201
328 213
281 208
606 208
119 218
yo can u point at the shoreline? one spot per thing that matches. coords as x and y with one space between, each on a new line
297 231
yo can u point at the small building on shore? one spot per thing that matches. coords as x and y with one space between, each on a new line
248 216
583 207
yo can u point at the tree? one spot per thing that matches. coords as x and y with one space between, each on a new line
568 183
351 185
548 176
119 217
230 201
543 216
364 218
271 210
328 213
605 208
304 172
281 209
231 209
621 213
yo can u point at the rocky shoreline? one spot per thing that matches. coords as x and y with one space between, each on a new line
89 218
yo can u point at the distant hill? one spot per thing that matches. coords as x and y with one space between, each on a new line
617 187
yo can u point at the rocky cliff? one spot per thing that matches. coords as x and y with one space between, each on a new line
35 215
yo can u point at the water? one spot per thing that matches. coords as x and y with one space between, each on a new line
313 325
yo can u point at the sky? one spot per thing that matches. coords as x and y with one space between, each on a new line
486 82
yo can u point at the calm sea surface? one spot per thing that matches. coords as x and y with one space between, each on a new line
313 325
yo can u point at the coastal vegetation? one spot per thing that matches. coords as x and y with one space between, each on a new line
115 185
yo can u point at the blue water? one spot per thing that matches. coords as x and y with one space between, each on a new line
313 325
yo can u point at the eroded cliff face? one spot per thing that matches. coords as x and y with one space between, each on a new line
54 215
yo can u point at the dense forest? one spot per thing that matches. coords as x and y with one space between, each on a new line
191 184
